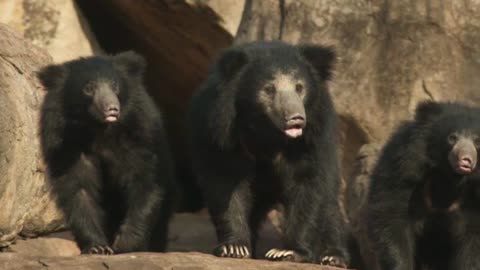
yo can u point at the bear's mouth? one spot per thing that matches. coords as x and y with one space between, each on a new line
112 116
294 132
463 168
294 128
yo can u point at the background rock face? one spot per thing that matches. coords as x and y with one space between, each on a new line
27 207
56 25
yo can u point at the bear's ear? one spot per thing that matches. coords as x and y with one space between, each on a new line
131 62
231 62
427 110
53 76
321 58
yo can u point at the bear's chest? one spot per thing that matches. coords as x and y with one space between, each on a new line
116 152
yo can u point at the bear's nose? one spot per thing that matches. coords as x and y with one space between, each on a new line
466 161
112 108
295 117
296 120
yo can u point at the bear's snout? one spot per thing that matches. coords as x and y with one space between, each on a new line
294 125
111 112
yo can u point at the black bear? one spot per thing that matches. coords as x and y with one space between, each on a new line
108 159
423 209
263 131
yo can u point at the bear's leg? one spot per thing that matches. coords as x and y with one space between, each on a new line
144 198
229 206
331 241
391 234
159 236
313 229
78 191
87 221
300 225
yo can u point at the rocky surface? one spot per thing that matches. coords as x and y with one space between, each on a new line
154 261
189 235
188 232
55 25
27 207
59 28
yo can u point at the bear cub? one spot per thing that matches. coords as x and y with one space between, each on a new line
262 132
423 210
108 159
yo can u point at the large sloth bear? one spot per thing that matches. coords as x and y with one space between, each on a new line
263 132
424 202
108 160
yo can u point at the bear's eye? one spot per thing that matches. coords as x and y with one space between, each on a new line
452 138
299 88
270 89
89 89
476 141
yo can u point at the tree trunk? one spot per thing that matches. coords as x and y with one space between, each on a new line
27 207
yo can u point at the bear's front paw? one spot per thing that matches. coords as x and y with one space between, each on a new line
334 261
98 250
129 241
232 251
284 255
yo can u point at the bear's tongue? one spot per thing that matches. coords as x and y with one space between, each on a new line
111 118
294 132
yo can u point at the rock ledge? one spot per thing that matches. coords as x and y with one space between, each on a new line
137 261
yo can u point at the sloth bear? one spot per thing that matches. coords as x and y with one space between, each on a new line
108 160
424 200
263 131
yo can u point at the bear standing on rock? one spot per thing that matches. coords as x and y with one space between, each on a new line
423 208
108 159
263 131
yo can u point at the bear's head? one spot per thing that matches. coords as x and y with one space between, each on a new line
95 88
453 136
278 85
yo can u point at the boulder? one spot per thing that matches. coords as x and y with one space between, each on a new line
27 206
55 25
